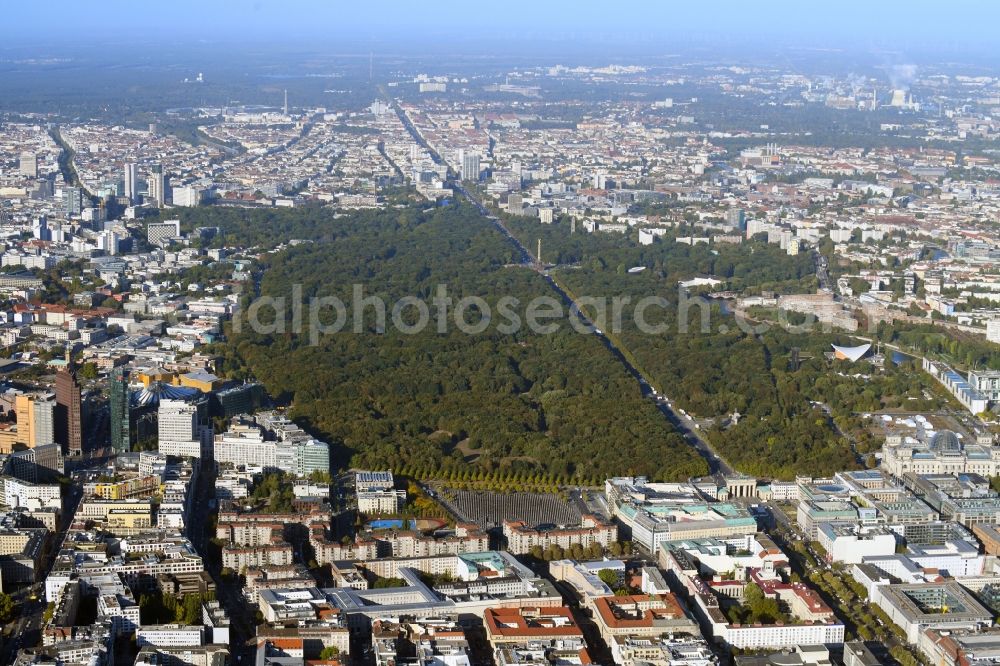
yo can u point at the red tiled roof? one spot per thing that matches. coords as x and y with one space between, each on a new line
516 622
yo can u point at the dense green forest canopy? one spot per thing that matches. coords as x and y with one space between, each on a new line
791 417
556 403
753 265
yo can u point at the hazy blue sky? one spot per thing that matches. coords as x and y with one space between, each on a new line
954 26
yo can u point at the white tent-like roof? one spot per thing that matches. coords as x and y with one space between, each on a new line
851 353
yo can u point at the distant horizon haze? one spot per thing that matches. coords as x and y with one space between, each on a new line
629 27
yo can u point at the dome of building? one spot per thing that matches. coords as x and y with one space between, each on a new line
151 395
945 441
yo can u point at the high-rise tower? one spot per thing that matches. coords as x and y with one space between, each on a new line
35 420
158 185
73 199
28 165
469 165
69 417
131 181
118 399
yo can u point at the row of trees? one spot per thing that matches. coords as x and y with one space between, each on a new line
576 551
863 620
499 480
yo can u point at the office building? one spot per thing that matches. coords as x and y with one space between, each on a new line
158 185
35 420
243 399
515 204
40 229
641 615
815 622
375 493
28 165
73 200
365 480
948 647
419 640
96 216
187 195
800 655
736 218
653 513
68 411
110 242
856 653
120 416
308 457
170 635
666 650
41 463
480 581
584 578
957 385
987 382
944 453
23 413
521 538
246 444
993 330
989 536
285 604
470 165
20 561
20 280
171 555
160 233
965 498
131 181
115 602
183 428
850 544
550 628
919 606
